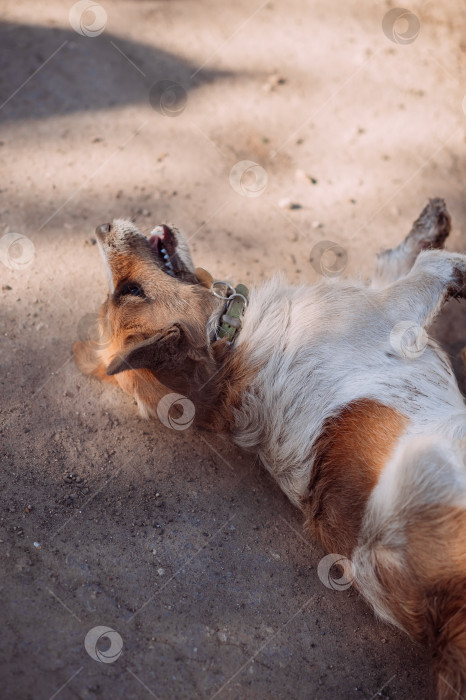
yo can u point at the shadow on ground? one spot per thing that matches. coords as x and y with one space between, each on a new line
74 73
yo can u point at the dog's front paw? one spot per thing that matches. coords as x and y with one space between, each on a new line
431 228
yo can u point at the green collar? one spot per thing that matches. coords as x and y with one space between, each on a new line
235 308
236 299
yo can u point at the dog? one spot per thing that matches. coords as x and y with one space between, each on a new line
352 408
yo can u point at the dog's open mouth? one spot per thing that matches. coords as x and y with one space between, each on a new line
163 243
172 252
169 249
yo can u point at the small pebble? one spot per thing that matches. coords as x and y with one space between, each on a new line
273 81
302 176
287 203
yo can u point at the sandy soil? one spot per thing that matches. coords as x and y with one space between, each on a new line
173 539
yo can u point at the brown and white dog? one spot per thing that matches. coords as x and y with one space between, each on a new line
352 408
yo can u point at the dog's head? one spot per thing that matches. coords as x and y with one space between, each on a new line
155 320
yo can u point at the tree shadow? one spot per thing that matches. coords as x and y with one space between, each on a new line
51 71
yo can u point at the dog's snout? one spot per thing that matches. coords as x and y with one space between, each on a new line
103 229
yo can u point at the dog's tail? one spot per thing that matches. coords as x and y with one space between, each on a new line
411 565
446 619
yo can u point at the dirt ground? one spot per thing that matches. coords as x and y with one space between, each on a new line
174 539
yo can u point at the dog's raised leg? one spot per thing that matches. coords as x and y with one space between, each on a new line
430 230
436 276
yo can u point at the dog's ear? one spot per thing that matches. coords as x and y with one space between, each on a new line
153 353
166 350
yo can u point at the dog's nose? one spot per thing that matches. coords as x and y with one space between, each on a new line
102 230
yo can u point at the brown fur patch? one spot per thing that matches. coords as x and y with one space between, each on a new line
426 590
234 375
350 455
447 639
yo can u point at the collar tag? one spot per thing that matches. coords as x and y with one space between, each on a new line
204 277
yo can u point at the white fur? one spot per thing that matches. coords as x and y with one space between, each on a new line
111 286
321 347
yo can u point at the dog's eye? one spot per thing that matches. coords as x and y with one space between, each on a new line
134 289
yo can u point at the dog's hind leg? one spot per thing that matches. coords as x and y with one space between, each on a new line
429 231
436 276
